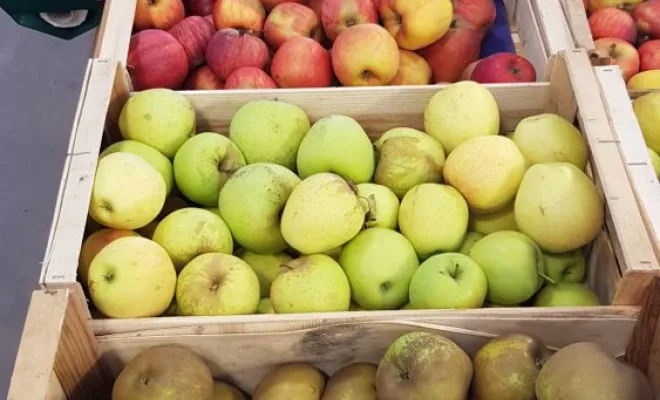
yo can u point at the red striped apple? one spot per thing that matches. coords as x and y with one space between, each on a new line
239 14
595 5
270 4
480 13
649 55
301 62
612 22
365 55
416 23
467 72
621 53
203 79
413 69
249 78
158 14
504 68
316 6
289 20
156 60
339 15
231 49
199 7
194 33
647 16
449 56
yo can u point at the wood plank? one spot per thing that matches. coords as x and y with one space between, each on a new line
576 16
531 37
114 33
553 26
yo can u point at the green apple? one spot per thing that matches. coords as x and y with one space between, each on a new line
189 232
655 162
434 218
160 118
565 267
269 131
251 202
449 280
266 266
513 265
154 157
566 294
94 244
308 284
128 192
379 264
217 284
203 164
406 158
383 205
355 307
265 306
500 220
172 203
468 241
337 144
322 213
132 277
214 210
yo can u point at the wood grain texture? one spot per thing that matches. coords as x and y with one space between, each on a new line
576 17
114 32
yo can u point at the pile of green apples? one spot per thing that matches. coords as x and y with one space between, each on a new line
282 215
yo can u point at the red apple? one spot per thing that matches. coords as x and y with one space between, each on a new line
270 4
621 53
480 13
230 49
203 79
194 33
595 5
239 14
338 15
649 55
413 69
249 78
158 14
156 60
466 75
503 68
647 16
301 62
199 7
612 22
450 55
316 6
289 20
209 19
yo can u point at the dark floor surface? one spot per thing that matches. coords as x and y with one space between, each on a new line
40 79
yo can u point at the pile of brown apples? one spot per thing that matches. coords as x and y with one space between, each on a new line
251 44
628 32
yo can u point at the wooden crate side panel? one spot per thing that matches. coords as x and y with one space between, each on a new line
553 26
114 33
530 34
578 23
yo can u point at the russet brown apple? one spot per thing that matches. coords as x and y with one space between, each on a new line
647 16
365 55
158 14
203 79
450 55
416 23
239 14
249 78
413 69
194 33
649 55
503 68
156 60
289 20
339 15
595 5
621 53
480 13
301 62
270 4
199 7
231 49
612 22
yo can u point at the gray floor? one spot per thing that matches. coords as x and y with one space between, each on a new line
40 79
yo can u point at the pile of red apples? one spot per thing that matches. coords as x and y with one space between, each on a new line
628 33
265 44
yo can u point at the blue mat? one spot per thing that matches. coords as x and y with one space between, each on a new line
498 40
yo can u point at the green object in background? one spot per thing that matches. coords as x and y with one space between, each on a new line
65 19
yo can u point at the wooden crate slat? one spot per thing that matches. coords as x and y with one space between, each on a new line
576 16
114 33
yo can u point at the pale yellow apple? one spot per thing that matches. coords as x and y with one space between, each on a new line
265 306
94 244
132 277
416 23
224 391
128 192
647 110
500 220
413 69
645 80
266 266
655 161
383 205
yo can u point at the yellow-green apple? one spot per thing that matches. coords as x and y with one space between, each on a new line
646 110
322 200
194 33
158 14
595 5
203 78
157 160
172 203
613 22
646 80
649 55
416 23
655 162
94 244
265 306
217 284
203 164
647 16
413 69
199 7
406 158
459 112
132 277
269 131
365 55
160 118
339 15
513 264
466 75
301 62
156 60
566 294
128 192
449 56
470 239
231 49
621 53
379 264
433 218
547 137
503 68
565 267
383 205
223 391
249 78
314 283
248 15
500 220
337 144
559 207
291 381
270 4
487 170
449 280
266 266
288 20
478 13
189 232
352 381
250 203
